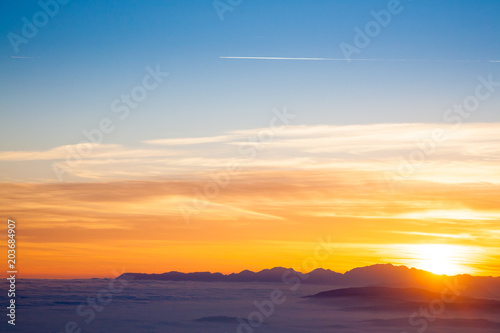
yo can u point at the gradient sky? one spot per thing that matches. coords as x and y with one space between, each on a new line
324 174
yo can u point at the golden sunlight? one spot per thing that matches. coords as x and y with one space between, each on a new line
441 258
462 214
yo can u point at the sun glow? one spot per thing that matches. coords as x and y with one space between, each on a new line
441 258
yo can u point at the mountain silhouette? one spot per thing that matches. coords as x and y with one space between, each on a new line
381 275
396 300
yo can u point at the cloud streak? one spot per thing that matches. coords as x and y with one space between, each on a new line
16 57
359 60
268 212
469 154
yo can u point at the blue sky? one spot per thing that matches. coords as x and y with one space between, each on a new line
368 157
91 52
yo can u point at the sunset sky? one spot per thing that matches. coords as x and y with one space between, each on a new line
233 164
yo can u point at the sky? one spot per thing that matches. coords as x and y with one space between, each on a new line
393 152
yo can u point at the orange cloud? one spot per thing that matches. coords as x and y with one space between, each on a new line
140 224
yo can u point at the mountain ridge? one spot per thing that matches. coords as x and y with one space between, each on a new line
375 275
377 271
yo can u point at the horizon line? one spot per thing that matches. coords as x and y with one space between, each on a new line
261 270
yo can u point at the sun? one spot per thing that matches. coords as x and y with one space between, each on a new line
440 258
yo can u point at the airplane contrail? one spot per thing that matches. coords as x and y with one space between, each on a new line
347 60
16 57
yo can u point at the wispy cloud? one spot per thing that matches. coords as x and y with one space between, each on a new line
361 59
451 214
95 151
469 154
188 141
455 236
257 210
